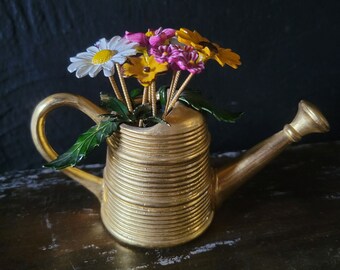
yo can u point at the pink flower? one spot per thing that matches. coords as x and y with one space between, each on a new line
152 38
186 59
160 36
165 53
140 38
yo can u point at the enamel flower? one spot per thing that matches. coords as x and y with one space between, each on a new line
160 36
152 38
207 49
187 59
102 56
144 56
164 53
145 69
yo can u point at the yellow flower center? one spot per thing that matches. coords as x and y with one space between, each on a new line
102 56
149 33
146 69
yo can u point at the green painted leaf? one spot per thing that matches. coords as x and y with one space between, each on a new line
196 101
163 92
113 104
135 93
142 111
84 144
152 120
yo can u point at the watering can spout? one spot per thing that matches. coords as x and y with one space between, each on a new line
307 120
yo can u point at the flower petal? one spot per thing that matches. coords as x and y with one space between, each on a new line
94 71
108 73
92 49
102 44
122 46
108 65
113 42
226 56
76 59
169 32
140 38
83 71
156 40
120 59
85 55
128 52
74 66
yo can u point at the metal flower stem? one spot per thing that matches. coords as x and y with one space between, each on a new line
125 91
179 92
173 85
153 98
144 100
115 88
145 95
149 94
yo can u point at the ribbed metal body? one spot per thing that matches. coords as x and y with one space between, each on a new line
158 189
158 182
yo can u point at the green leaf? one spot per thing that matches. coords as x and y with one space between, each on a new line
113 104
142 111
84 144
152 120
163 92
135 93
196 101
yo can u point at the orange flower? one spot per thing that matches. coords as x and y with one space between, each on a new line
144 68
207 49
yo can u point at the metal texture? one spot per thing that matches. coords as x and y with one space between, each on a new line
158 188
91 182
307 120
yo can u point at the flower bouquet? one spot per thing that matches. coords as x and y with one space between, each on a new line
145 57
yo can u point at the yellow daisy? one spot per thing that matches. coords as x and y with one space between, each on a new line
207 49
144 68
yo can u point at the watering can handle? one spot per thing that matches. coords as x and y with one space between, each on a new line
90 181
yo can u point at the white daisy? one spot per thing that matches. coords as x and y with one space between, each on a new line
102 56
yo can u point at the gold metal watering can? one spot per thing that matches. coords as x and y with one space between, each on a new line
158 188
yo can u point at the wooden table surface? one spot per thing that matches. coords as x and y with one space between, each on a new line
287 217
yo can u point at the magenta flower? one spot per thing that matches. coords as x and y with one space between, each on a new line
160 36
165 53
140 38
152 38
186 59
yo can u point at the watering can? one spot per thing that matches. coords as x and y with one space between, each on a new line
158 188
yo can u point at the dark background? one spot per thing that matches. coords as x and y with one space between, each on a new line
289 51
